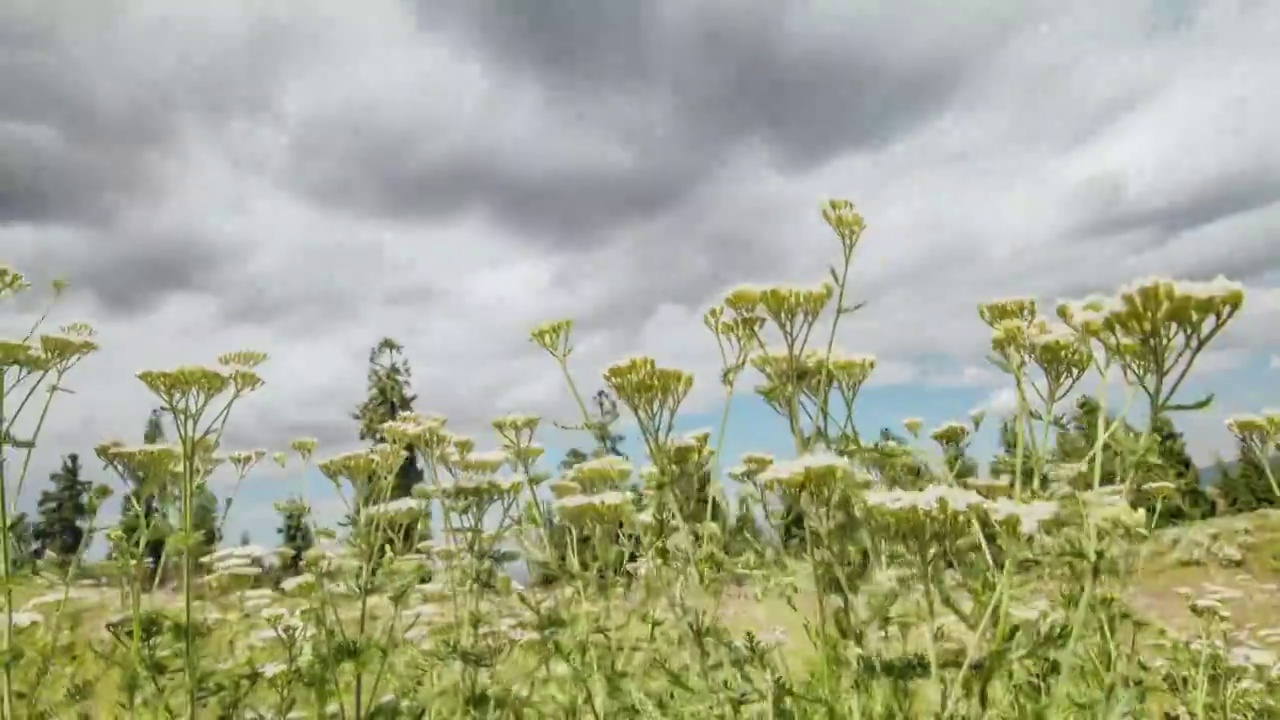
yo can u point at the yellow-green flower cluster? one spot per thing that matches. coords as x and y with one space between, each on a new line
653 393
594 491
1259 433
814 472
947 500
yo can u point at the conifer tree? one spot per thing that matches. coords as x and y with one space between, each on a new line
22 547
295 531
389 394
1190 501
1077 438
63 512
389 387
142 517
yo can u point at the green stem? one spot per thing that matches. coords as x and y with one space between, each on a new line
6 688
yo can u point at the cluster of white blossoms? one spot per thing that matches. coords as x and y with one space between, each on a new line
814 471
595 491
1259 433
405 509
240 560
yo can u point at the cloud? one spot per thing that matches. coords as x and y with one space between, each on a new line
1274 363
309 178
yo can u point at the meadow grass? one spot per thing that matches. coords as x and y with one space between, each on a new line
866 588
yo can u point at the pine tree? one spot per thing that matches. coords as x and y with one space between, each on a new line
63 513
389 394
204 522
22 546
1005 463
1079 435
295 531
1243 486
1191 502
142 517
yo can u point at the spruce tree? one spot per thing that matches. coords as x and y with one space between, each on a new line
389 394
295 531
22 546
142 517
63 513
1190 501
1243 486
389 387
1077 439
204 522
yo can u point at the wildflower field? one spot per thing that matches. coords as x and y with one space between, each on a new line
855 579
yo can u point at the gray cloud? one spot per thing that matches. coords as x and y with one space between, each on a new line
664 91
307 180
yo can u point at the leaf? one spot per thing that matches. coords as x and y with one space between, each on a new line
1200 404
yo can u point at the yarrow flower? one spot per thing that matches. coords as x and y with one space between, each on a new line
604 507
811 471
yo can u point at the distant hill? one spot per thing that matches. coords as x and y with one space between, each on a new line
1209 473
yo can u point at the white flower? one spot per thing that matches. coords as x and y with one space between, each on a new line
24 619
297 582
1030 515
272 669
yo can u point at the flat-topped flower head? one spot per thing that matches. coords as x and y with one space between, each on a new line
486 488
189 384
554 338
402 509
242 359
564 488
913 426
244 460
604 508
843 219
813 471
486 462
932 499
1027 516
305 447
526 455
356 467
1016 310
1256 432
62 350
989 488
517 425
851 371
792 309
604 473
12 282
152 465
951 434
21 355
743 300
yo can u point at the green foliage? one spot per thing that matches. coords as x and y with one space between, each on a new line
913 591
295 532
388 395
63 523
1190 502
1075 443
144 523
1243 486
22 544
205 522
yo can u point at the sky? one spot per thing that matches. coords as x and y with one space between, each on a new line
304 178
